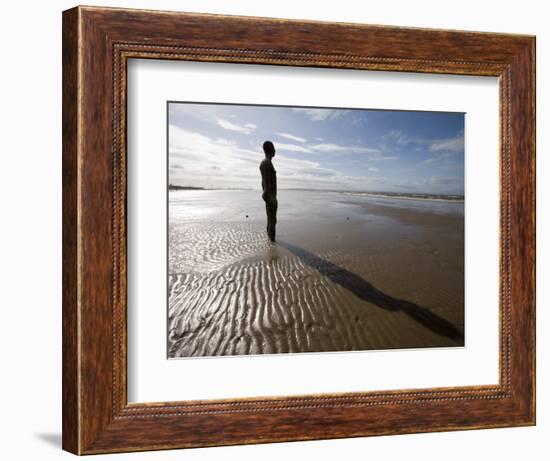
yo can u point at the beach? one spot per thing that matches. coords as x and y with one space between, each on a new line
349 272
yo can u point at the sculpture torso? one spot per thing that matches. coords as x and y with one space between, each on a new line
269 180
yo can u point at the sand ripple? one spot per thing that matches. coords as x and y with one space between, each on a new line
232 293
196 247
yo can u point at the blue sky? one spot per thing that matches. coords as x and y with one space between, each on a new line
220 146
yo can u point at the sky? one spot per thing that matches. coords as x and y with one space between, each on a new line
220 146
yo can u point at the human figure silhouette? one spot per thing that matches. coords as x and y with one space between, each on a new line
269 188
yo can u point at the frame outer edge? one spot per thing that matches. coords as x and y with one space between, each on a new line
90 415
523 233
70 211
534 213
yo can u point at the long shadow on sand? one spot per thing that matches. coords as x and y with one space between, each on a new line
366 291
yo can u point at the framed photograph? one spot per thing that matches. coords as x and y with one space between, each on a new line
282 230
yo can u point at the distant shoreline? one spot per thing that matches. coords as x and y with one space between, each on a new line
437 197
174 187
394 195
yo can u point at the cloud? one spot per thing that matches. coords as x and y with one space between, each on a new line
399 138
247 128
383 157
201 112
206 160
295 173
329 147
318 115
444 157
198 160
447 161
455 144
217 147
291 148
292 137
338 148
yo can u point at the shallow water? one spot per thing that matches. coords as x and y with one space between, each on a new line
235 205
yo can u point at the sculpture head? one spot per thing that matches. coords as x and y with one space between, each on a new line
269 149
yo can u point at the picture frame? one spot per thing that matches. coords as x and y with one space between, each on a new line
97 44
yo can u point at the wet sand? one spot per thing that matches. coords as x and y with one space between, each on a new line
347 273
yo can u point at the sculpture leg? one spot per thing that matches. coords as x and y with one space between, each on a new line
271 211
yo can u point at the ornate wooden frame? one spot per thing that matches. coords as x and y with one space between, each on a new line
97 43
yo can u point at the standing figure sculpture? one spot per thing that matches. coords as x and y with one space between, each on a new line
269 188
